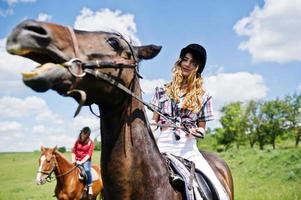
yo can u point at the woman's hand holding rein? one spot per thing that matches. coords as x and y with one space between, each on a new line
198 132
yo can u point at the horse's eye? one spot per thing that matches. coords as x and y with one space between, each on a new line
114 43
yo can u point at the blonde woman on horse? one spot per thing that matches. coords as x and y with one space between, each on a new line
82 153
185 102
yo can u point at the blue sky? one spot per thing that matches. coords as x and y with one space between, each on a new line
253 46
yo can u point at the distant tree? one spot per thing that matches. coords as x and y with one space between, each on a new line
97 144
273 118
234 124
293 112
62 149
251 116
223 138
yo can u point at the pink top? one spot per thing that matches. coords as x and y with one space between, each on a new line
81 150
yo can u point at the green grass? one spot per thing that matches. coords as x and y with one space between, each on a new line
266 175
258 175
17 177
263 175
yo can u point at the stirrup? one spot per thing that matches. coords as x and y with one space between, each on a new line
82 174
80 177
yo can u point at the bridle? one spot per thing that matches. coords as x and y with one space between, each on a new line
75 64
79 69
49 173
48 178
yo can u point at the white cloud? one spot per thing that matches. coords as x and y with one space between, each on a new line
228 87
10 2
65 134
10 126
273 31
12 107
10 132
44 17
86 120
16 136
107 20
6 12
148 86
240 86
10 70
39 129
32 142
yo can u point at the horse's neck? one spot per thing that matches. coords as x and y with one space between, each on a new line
63 165
127 144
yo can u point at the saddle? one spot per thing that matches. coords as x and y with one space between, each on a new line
82 173
191 182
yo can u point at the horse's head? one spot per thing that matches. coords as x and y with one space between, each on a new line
47 164
53 45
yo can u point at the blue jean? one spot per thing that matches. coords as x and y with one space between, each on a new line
87 167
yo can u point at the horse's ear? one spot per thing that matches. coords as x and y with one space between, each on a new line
42 148
54 149
147 51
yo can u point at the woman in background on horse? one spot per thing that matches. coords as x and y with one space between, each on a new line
82 153
188 105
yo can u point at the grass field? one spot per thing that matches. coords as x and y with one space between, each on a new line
17 177
258 175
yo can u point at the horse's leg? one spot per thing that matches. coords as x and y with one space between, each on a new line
222 171
97 186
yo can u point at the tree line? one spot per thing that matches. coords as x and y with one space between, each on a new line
260 122
256 122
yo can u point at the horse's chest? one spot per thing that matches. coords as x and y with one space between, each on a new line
68 195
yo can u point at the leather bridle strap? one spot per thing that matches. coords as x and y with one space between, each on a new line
101 64
74 41
67 172
115 83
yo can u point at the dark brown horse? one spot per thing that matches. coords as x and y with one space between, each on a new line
68 186
132 166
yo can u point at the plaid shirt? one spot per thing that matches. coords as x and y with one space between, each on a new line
173 110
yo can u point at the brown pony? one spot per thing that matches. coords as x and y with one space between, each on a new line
68 185
105 73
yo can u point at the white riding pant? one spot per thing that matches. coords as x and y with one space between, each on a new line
186 147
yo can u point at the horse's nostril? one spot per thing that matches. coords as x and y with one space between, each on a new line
36 29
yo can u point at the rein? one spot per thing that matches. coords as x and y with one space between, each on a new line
76 65
49 178
115 83
48 173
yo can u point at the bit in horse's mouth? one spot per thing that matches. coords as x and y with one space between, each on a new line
45 61
39 70
43 58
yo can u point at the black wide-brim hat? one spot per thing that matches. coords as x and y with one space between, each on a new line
199 54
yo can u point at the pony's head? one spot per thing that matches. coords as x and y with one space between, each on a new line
47 164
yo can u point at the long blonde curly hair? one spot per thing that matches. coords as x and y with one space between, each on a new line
194 91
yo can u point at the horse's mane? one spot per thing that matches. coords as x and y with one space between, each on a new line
62 156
